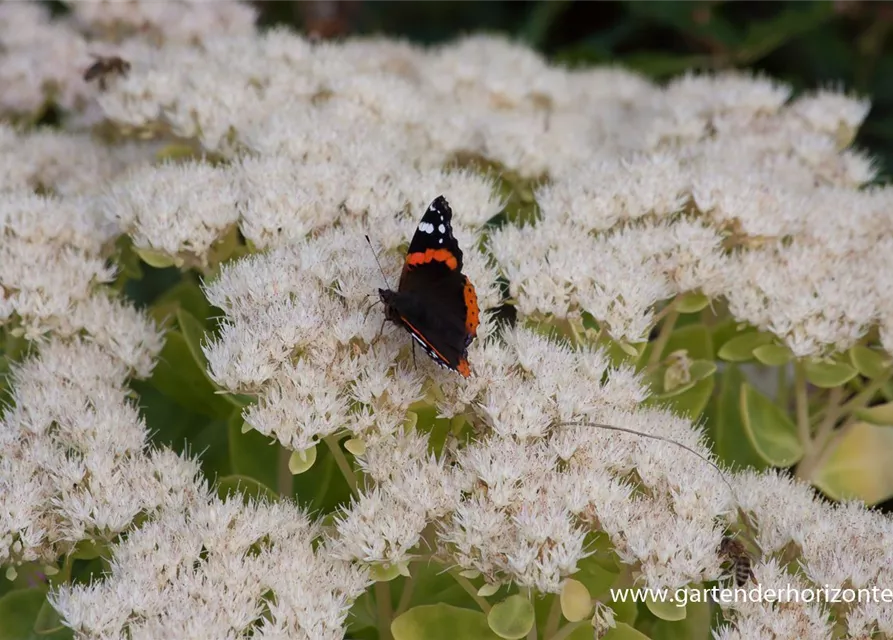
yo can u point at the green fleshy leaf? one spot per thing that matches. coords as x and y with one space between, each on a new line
384 573
696 625
356 446
670 611
624 632
763 37
194 332
225 247
186 295
19 610
726 426
869 362
693 338
48 620
740 348
774 355
858 466
691 401
301 461
575 600
513 618
595 576
252 454
829 374
772 433
156 259
89 549
178 377
880 415
691 302
247 487
441 622
127 260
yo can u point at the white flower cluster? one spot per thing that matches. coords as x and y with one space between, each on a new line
221 569
51 261
41 160
841 546
648 187
43 58
310 147
74 465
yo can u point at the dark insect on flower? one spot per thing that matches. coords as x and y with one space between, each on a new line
435 302
105 67
740 560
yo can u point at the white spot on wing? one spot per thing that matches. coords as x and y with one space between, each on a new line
440 241
441 228
426 227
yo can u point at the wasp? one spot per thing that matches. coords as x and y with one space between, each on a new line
104 67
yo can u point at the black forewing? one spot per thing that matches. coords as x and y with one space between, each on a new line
431 303
438 213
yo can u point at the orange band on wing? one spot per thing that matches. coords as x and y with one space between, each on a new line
433 255
463 368
472 313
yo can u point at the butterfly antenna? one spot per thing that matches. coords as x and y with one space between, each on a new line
375 255
748 524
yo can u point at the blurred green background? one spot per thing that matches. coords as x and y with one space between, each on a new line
845 43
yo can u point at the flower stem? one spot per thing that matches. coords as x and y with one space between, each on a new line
465 583
566 630
666 329
531 635
406 595
383 605
283 473
827 436
802 399
341 460
554 618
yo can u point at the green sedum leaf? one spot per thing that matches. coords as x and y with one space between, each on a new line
385 573
858 466
247 487
869 362
691 402
186 295
178 377
156 259
576 602
691 302
513 618
48 620
19 610
740 348
829 374
301 461
441 622
624 632
695 626
693 338
251 453
880 415
772 433
774 355
670 611
726 426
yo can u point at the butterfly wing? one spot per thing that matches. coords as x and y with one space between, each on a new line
435 301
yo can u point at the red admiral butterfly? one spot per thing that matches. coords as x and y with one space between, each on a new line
434 301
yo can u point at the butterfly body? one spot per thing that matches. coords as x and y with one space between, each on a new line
435 302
